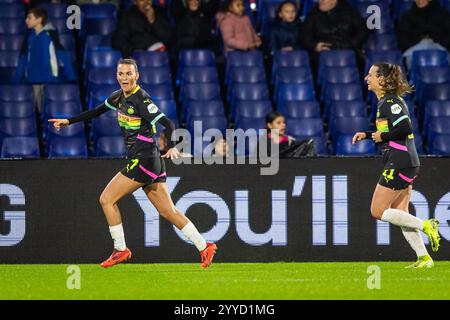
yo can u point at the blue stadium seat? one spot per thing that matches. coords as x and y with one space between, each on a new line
67 147
440 91
248 91
67 41
242 59
169 108
16 93
294 92
206 74
20 147
61 92
435 108
11 42
154 76
12 26
355 108
194 58
199 91
102 26
151 58
55 10
245 75
12 10
101 58
198 109
427 58
18 127
98 11
438 126
440 145
339 75
304 127
74 130
428 76
250 123
345 147
347 126
9 61
110 147
381 42
335 58
98 94
20 109
160 92
218 122
301 109
252 109
341 92
105 126
99 76
96 41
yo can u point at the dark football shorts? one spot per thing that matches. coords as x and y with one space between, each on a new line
147 170
398 179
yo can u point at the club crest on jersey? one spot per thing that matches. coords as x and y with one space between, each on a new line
396 108
152 108
130 110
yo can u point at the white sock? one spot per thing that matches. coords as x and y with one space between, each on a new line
415 240
402 219
191 232
118 237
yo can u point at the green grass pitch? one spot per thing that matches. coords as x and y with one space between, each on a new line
236 281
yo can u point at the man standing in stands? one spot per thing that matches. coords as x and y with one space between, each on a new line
142 27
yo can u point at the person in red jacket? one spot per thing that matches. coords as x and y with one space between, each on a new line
236 28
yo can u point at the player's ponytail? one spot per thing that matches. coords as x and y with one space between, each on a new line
394 80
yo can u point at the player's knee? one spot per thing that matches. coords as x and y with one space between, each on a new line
105 200
376 212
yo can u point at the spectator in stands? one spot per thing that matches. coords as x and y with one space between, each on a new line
178 9
288 146
426 26
285 31
236 28
194 30
144 27
333 24
41 54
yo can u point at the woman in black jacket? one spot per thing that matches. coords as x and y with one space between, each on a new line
141 27
194 30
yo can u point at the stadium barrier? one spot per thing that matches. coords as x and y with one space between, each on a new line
312 210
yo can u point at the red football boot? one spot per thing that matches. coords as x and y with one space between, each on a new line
208 254
116 257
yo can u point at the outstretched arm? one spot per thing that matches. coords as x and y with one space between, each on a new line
86 115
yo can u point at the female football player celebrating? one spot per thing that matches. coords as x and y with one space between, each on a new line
137 117
390 200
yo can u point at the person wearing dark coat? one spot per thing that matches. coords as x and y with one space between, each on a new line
142 27
285 30
426 26
178 8
333 24
194 31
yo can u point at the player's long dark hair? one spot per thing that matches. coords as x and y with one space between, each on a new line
394 81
